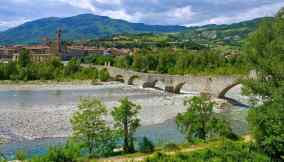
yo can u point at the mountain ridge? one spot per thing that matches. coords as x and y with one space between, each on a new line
89 26
84 26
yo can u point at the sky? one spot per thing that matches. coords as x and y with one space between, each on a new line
159 12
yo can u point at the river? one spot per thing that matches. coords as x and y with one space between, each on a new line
36 117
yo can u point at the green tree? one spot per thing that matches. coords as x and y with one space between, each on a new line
126 120
146 146
89 125
72 67
199 121
265 54
24 58
104 75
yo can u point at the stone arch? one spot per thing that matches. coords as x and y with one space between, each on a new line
224 91
131 79
119 78
178 87
150 84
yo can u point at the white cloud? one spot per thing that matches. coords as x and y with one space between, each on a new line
9 24
83 4
262 11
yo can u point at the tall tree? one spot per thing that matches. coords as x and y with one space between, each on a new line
265 54
199 121
89 125
126 120
24 58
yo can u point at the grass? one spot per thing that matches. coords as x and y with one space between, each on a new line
183 148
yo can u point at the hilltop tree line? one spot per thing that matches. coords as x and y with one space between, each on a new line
169 61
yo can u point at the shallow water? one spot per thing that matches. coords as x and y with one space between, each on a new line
30 114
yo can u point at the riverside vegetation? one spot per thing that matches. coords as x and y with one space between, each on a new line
26 70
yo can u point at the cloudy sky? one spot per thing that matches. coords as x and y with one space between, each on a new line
163 12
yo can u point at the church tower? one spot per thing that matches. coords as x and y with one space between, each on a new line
58 40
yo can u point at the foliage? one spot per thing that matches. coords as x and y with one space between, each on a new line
104 75
24 58
265 55
199 121
146 146
72 67
67 153
21 155
229 152
50 70
267 126
165 60
171 147
126 120
89 125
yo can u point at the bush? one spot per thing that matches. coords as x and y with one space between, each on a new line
104 75
21 155
171 147
67 153
146 146
229 152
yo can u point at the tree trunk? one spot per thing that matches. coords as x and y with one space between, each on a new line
126 136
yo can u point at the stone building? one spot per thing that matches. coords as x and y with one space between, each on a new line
38 53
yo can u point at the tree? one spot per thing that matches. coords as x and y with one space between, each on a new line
126 120
104 75
72 67
24 58
89 125
199 121
266 55
146 146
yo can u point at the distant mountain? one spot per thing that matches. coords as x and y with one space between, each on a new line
231 34
81 27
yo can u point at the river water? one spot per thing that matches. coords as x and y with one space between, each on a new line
33 119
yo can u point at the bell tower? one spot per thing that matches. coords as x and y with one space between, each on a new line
58 40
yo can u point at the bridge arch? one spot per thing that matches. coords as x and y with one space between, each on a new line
224 91
150 84
119 78
178 87
132 79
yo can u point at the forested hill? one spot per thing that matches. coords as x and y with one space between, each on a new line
231 34
88 26
85 26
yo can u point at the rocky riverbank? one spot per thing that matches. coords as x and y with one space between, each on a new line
34 111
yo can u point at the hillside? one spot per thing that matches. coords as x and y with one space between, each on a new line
90 27
86 26
231 34
191 38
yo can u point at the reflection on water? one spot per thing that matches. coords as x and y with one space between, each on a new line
165 132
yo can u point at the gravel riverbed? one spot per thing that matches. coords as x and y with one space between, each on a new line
29 112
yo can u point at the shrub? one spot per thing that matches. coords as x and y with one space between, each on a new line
229 152
104 75
171 147
146 146
21 155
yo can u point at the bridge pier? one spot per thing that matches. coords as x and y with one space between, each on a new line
149 84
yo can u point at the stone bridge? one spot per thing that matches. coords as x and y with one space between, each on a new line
216 86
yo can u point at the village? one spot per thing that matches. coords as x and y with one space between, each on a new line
48 49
